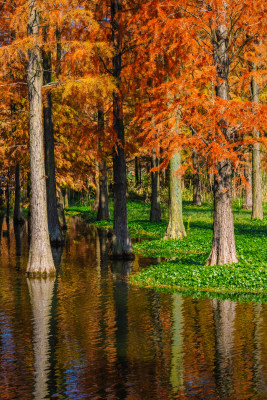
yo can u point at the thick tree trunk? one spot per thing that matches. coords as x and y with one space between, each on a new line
53 221
196 180
40 256
121 243
18 218
155 211
223 245
257 212
175 229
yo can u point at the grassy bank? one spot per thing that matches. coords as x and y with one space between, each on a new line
183 267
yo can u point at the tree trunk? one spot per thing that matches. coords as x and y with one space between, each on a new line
18 219
155 212
136 171
257 212
66 197
248 192
121 242
223 245
7 199
196 180
103 207
97 188
53 221
175 229
40 256
61 214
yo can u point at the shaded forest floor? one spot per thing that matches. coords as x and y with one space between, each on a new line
184 266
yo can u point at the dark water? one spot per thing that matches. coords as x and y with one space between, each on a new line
89 335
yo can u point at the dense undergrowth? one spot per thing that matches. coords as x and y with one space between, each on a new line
184 260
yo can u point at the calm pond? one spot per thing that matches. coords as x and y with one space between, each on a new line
90 335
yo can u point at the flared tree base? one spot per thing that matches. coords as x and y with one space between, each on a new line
40 265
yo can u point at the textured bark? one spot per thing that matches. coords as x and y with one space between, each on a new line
175 229
224 317
18 218
121 242
196 180
40 256
60 207
97 188
223 245
257 212
103 206
248 189
53 221
41 294
155 211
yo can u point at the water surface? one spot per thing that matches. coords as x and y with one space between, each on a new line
90 335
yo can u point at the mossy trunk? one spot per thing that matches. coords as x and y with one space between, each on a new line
40 256
155 211
196 180
223 249
18 218
54 229
175 229
121 243
257 212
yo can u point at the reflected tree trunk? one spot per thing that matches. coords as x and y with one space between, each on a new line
41 294
224 317
177 363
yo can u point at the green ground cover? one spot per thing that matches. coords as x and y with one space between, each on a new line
184 260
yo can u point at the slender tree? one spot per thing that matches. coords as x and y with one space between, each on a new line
121 243
40 256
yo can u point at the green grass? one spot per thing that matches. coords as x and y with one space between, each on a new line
184 260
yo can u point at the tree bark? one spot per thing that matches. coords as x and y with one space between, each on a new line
55 233
196 180
121 243
175 229
155 211
136 171
103 207
40 257
97 188
223 249
257 212
61 214
248 191
18 219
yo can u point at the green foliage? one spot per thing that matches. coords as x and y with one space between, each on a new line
184 260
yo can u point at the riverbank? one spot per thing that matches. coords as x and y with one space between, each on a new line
184 266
